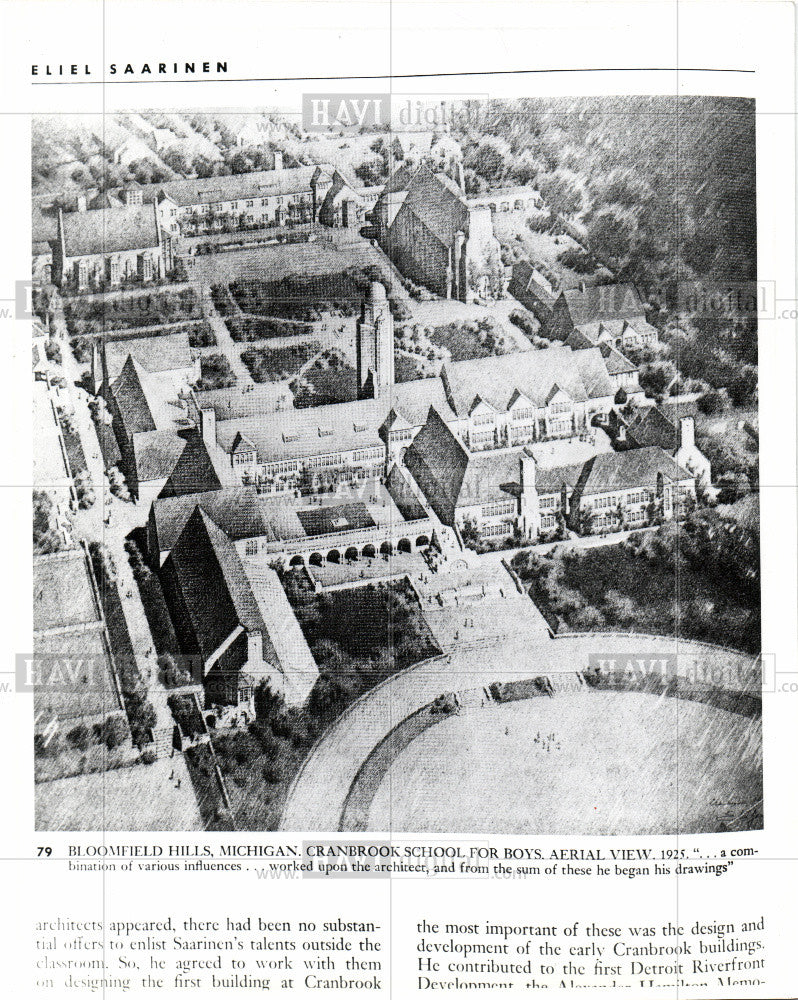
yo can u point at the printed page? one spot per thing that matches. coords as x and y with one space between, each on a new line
403 398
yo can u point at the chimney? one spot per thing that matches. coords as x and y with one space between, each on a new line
208 427
278 160
254 650
81 205
529 508
528 470
459 176
687 432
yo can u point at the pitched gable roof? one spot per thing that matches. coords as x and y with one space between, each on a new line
241 443
610 471
581 374
650 427
131 400
437 204
215 591
615 362
109 230
232 187
438 463
602 302
194 471
155 454
236 510
169 352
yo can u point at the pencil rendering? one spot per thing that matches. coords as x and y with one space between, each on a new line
398 478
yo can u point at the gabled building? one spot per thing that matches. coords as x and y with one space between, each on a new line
279 197
431 233
237 511
610 314
169 354
461 488
346 203
616 490
496 494
195 470
624 374
515 399
100 247
235 616
150 424
650 427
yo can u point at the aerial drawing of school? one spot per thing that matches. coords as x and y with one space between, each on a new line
397 480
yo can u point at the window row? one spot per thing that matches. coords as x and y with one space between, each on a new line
496 530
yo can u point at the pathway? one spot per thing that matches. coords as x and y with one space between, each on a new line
110 520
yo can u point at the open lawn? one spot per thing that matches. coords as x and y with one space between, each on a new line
586 764
275 364
276 261
328 380
302 297
155 796
244 329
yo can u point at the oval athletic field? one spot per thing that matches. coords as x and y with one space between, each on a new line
663 737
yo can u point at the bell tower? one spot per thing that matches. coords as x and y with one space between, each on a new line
374 339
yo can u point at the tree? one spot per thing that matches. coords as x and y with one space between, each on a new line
654 511
712 403
610 232
586 519
203 167
563 191
744 386
240 163
488 158
84 489
45 535
268 703
114 732
176 160
656 378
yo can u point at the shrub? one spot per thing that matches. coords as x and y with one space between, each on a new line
524 321
80 737
84 490
52 349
